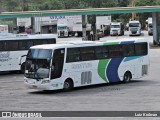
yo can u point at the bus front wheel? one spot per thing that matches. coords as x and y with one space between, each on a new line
127 77
68 85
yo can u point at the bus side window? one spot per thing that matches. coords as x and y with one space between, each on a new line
13 45
44 41
105 52
73 55
141 49
101 52
51 41
37 42
23 45
115 51
1 46
87 53
128 50
5 46
29 44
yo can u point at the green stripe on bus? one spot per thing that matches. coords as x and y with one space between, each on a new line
102 65
102 69
111 43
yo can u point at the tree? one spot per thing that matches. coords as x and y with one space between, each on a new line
123 3
25 5
145 2
12 5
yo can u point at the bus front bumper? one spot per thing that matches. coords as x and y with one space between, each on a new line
41 85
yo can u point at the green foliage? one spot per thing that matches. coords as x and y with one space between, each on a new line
17 5
145 2
6 22
11 5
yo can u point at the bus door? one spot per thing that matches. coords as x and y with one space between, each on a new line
57 63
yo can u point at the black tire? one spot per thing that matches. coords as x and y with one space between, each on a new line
68 85
127 77
22 68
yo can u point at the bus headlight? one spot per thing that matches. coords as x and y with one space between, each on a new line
45 81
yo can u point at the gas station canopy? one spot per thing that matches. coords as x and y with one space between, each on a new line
89 11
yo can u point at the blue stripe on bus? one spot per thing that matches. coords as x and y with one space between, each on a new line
127 42
112 69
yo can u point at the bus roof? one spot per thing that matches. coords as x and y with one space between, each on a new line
87 43
136 39
11 36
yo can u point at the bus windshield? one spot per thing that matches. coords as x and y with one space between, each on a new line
38 63
39 53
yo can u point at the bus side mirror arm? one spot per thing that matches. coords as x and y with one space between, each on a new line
20 58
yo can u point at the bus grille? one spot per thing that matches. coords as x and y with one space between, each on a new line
144 70
86 77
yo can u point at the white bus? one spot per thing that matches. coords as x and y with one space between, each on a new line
15 46
65 66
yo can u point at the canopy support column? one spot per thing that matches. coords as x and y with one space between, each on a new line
156 28
84 22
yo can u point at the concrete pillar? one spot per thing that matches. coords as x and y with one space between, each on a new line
84 22
156 28
33 24
94 29
36 24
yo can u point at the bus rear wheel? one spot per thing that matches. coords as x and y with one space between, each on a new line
127 77
68 85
